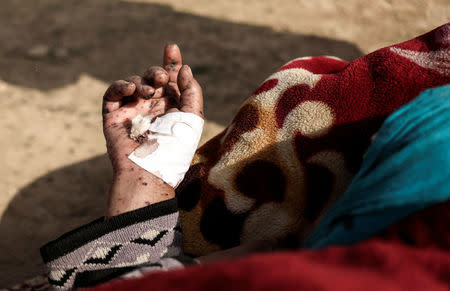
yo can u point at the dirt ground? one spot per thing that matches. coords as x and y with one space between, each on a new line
57 58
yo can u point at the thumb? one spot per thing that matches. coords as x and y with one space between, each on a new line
191 98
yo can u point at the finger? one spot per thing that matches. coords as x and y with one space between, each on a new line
143 90
112 100
191 98
156 76
173 93
172 61
172 90
159 106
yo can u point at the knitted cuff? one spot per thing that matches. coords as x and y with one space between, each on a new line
105 249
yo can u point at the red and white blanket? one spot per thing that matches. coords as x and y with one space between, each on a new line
288 154
296 143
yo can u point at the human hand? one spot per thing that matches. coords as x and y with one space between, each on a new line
157 92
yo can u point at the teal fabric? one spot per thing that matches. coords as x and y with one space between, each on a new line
406 169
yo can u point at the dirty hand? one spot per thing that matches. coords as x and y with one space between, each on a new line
161 90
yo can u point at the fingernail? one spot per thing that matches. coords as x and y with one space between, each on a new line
171 45
189 70
149 96
147 91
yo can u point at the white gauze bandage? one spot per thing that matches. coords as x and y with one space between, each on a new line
170 145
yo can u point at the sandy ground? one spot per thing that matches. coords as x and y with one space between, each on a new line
57 58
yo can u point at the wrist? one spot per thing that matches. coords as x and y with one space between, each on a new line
135 188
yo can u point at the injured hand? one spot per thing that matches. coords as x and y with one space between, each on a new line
167 145
162 112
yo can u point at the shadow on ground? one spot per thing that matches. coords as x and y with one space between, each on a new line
51 42
46 208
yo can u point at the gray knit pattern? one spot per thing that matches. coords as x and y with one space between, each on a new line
132 245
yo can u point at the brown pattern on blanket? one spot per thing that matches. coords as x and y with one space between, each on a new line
296 143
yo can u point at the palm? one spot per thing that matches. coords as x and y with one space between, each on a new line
156 93
117 127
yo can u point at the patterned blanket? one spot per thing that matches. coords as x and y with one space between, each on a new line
296 143
288 154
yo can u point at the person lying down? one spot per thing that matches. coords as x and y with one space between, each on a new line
152 126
